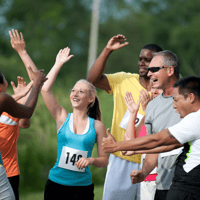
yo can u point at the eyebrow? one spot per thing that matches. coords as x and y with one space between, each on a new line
145 57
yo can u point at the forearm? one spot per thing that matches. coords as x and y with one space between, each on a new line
159 149
26 59
33 97
97 70
130 130
51 77
99 162
150 162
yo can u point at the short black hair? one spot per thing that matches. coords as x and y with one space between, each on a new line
1 78
187 85
153 47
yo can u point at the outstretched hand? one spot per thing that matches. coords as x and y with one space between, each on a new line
63 56
22 89
17 42
115 42
130 103
109 143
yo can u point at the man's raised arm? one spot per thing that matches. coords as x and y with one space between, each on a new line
96 74
9 105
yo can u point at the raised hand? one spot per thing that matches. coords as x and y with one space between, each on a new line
16 41
63 56
22 89
115 42
145 98
130 103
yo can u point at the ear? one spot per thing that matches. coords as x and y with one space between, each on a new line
170 70
191 97
91 99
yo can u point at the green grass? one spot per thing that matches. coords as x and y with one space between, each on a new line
98 192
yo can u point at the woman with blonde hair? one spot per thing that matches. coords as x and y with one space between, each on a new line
77 132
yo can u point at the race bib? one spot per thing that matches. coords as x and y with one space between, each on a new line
125 119
69 157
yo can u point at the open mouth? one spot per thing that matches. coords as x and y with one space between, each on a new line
75 100
155 80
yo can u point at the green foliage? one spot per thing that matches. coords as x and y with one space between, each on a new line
48 26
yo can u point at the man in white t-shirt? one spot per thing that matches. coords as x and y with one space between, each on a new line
186 181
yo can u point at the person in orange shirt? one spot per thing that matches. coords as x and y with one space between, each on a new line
9 105
9 129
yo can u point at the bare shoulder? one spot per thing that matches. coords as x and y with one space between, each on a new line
99 127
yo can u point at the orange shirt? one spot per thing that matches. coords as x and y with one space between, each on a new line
9 133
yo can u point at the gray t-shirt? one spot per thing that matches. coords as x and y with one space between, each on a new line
160 115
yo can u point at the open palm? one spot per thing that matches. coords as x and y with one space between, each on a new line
130 103
115 42
63 56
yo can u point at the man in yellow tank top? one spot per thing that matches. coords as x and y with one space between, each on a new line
117 184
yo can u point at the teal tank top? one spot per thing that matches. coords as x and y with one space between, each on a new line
69 145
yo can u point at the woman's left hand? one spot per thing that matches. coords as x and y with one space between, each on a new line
83 162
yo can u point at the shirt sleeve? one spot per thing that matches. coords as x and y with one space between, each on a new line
116 79
188 129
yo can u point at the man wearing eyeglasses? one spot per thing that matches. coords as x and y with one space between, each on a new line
117 184
163 72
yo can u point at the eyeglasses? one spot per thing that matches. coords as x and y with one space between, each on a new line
155 69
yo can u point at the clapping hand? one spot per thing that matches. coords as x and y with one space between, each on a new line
145 98
130 103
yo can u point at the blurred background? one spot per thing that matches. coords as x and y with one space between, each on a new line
50 25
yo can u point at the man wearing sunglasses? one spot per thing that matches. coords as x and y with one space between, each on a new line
163 72
117 184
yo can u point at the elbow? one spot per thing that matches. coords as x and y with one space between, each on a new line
90 78
24 126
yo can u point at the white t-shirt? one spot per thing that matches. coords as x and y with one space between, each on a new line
188 130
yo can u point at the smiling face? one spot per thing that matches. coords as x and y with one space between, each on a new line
80 95
181 104
160 78
145 58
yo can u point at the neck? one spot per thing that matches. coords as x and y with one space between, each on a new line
168 88
79 114
145 82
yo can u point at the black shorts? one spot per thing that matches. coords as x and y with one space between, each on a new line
181 195
55 191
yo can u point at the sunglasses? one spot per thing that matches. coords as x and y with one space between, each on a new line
155 69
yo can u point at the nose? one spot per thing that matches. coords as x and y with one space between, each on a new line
149 74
